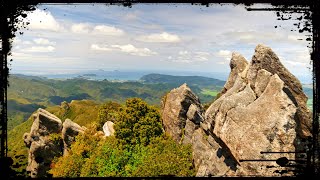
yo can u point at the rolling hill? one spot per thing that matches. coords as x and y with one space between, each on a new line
28 93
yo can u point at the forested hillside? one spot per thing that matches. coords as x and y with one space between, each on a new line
190 80
28 93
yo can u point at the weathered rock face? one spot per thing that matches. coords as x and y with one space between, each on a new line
181 113
210 157
47 139
265 58
108 129
261 109
238 64
42 148
69 131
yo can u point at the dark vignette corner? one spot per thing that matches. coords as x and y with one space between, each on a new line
11 9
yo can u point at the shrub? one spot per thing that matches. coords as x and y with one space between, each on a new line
164 157
137 122
138 149
107 112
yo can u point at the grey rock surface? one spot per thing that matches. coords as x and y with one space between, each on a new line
48 138
69 131
261 108
179 106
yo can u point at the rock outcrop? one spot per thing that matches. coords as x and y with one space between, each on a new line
69 131
42 148
265 58
47 139
108 129
261 108
181 113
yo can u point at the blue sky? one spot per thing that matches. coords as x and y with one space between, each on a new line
73 38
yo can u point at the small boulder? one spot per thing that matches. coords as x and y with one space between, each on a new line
108 128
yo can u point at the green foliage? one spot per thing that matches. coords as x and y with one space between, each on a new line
90 157
55 138
17 149
137 122
138 149
82 112
108 112
163 157
70 165
209 92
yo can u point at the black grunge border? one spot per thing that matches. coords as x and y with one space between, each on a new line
310 10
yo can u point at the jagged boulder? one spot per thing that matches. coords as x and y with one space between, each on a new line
238 65
47 139
259 113
261 108
265 58
108 129
69 131
42 146
181 113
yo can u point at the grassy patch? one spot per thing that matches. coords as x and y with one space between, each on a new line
209 92
17 149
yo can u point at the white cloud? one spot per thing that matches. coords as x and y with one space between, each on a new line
224 53
190 57
18 55
222 62
183 52
108 30
100 47
223 56
26 42
40 49
42 20
161 38
254 37
202 56
129 49
131 16
296 58
182 61
81 28
296 64
17 41
42 41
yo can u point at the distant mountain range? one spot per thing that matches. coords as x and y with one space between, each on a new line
190 80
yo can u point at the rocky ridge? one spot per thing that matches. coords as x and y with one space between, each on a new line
47 139
262 108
